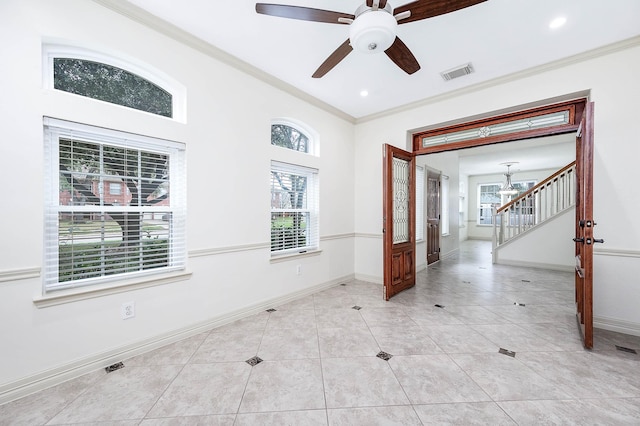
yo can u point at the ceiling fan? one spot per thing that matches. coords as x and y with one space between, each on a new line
372 28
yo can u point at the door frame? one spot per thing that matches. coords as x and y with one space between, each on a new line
584 224
576 109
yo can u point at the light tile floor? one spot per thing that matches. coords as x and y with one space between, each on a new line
320 365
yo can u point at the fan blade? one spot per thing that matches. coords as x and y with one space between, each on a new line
423 9
339 54
302 13
400 54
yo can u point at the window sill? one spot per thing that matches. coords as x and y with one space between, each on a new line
284 257
76 294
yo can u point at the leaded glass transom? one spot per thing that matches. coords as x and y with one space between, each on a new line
515 126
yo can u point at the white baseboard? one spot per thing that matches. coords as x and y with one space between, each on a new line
369 278
550 266
620 326
450 253
55 376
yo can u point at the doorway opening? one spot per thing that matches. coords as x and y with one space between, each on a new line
574 116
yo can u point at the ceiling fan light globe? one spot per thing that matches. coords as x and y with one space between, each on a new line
373 31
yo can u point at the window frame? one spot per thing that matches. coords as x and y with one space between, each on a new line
56 130
312 193
503 198
420 222
312 136
51 51
445 219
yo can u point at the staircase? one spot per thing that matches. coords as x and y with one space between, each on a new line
534 207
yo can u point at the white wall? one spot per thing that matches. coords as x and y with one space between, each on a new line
227 134
616 263
549 245
463 207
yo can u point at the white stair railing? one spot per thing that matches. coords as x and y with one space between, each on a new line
540 203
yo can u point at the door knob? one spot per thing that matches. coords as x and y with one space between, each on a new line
598 240
579 240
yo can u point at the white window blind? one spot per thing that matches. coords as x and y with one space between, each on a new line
94 234
419 203
294 208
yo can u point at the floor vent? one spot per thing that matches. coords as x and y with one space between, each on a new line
457 72
385 356
114 367
254 361
629 350
507 352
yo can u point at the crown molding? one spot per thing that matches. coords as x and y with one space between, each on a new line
549 66
143 17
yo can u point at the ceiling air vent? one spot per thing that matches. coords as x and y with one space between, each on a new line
456 72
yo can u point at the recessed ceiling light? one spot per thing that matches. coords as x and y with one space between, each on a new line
557 22
364 93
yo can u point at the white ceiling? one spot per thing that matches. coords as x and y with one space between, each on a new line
552 152
499 37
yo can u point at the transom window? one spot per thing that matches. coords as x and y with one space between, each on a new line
116 80
110 84
289 137
115 205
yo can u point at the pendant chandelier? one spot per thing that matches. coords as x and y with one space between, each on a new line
508 188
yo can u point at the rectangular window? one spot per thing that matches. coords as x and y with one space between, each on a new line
489 197
419 203
444 205
294 209
115 188
92 233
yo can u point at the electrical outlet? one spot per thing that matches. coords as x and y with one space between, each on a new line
128 310
299 270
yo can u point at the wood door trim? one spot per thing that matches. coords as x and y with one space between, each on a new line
575 108
578 108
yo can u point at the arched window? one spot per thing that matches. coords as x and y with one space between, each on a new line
110 84
112 80
289 134
294 190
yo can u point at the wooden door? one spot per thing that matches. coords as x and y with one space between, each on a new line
433 217
399 220
584 227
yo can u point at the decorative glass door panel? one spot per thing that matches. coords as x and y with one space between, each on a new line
399 227
400 200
